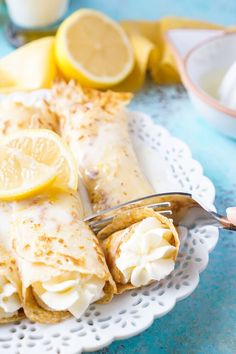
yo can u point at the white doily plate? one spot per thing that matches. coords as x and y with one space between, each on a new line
168 164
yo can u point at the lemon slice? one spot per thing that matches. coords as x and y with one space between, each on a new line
47 147
22 176
93 49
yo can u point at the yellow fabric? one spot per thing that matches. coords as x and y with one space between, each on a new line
30 67
152 52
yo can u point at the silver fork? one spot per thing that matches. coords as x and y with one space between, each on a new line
182 208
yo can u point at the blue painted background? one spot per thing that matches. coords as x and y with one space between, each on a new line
206 321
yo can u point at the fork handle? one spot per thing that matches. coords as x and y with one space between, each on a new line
231 215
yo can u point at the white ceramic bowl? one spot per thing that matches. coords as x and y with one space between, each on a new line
202 68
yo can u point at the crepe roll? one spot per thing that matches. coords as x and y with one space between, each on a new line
10 284
16 115
61 264
140 246
94 124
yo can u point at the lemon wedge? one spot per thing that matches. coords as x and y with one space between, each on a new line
30 67
46 147
93 49
21 176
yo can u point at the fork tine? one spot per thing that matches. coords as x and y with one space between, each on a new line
159 205
165 212
101 222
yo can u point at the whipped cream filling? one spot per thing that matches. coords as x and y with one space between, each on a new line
148 254
69 293
9 298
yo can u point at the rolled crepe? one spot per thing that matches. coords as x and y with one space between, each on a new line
140 246
10 284
61 264
94 125
15 116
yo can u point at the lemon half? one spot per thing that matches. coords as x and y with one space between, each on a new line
93 49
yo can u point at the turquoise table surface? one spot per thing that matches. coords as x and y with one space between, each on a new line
206 321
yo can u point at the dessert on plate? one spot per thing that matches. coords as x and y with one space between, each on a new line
61 265
141 245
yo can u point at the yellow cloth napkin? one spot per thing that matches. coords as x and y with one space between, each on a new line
152 52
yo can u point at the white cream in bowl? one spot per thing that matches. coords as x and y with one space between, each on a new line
203 65
227 88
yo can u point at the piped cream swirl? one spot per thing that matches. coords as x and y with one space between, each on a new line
147 255
69 293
